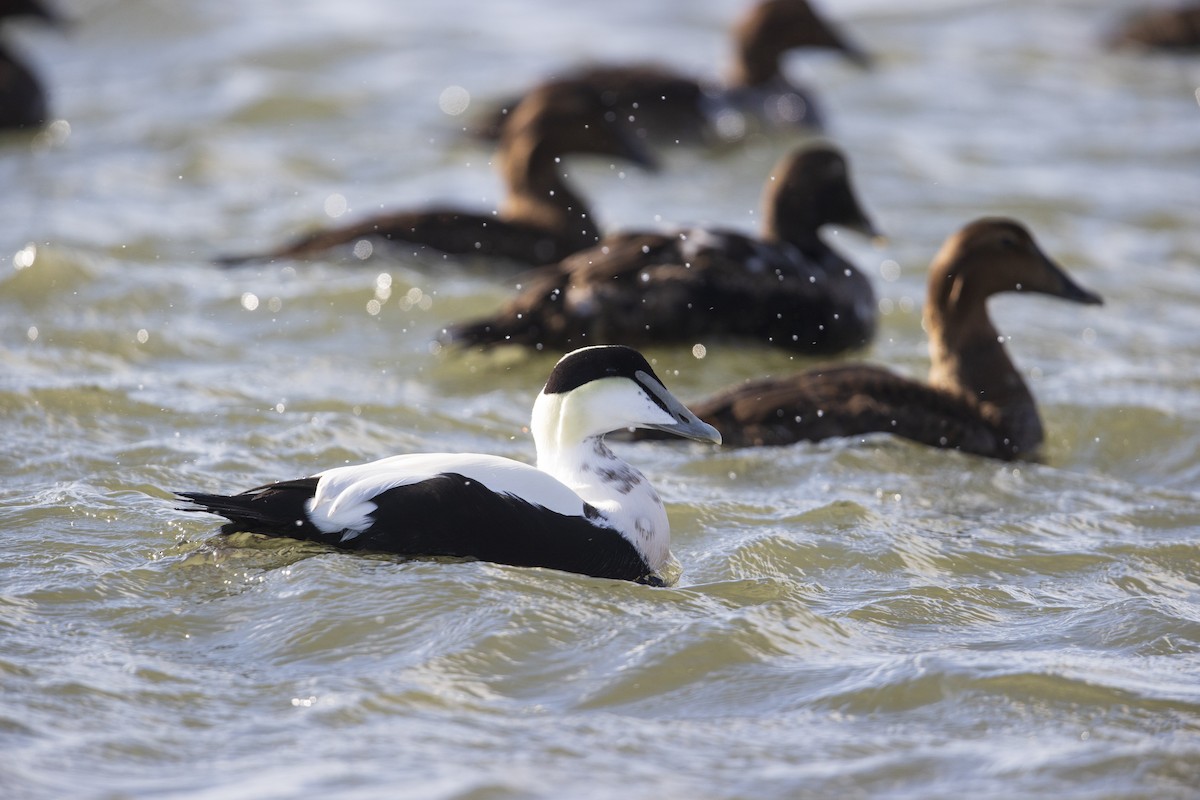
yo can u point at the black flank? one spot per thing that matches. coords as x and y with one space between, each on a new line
449 515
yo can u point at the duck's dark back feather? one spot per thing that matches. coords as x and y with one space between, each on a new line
448 515
22 100
847 400
1165 29
642 289
649 100
445 230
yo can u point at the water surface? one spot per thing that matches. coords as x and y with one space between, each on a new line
856 618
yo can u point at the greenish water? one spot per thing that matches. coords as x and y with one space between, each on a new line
855 618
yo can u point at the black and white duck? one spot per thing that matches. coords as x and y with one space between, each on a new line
581 509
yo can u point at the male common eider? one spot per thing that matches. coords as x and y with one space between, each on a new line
656 102
975 400
582 509
22 99
542 219
787 289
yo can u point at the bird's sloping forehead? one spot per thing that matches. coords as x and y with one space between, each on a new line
593 363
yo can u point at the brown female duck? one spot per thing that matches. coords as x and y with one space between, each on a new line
659 103
975 400
787 288
1166 29
542 219
22 99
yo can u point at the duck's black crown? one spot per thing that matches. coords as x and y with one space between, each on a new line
593 363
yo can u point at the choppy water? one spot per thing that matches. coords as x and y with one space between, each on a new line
852 619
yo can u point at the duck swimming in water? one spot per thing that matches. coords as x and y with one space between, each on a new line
1168 30
787 288
22 99
581 509
542 219
658 103
975 400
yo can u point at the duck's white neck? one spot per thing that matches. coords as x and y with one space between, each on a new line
614 487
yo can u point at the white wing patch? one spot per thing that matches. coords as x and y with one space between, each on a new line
694 241
344 500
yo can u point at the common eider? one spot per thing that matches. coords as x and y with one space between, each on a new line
22 99
658 103
1168 30
787 289
975 400
581 509
542 219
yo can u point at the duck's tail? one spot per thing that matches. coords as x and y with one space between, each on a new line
277 509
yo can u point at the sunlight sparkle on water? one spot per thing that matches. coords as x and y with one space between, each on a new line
416 298
25 257
454 100
383 287
336 205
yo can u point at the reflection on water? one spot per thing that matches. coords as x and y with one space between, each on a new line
855 617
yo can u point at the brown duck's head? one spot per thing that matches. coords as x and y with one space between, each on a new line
567 117
993 255
773 27
30 8
809 188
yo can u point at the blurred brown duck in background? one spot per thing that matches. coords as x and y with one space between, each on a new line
1167 29
787 288
542 219
975 400
22 99
661 104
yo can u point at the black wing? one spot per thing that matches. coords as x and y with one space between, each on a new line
448 515
447 230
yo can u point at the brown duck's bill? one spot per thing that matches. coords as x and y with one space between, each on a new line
859 57
633 150
866 228
1070 290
